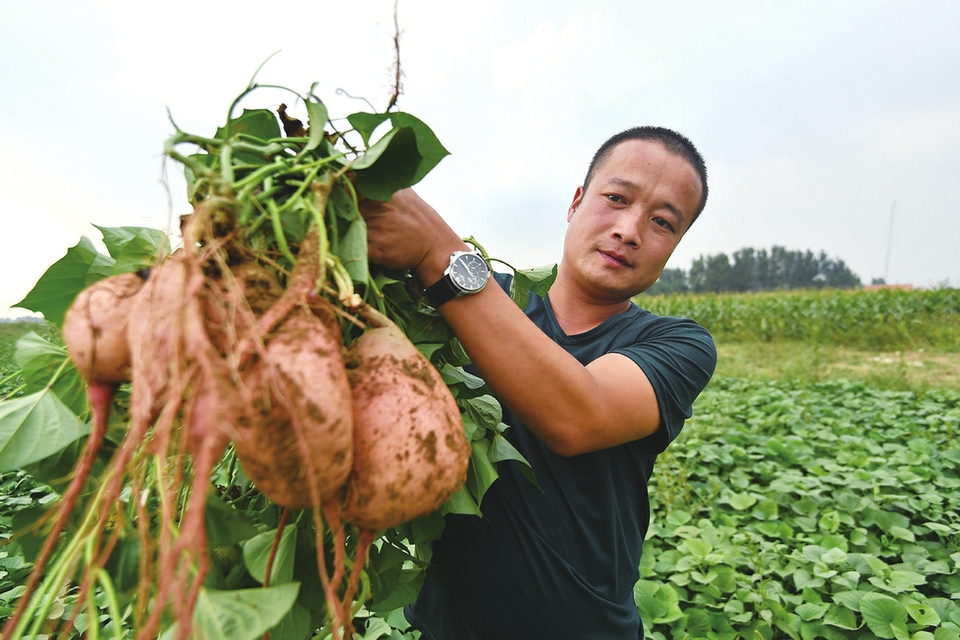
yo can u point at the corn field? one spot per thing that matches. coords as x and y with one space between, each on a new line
899 318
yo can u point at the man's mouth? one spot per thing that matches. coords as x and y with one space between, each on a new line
612 256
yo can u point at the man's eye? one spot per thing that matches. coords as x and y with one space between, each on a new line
660 222
615 198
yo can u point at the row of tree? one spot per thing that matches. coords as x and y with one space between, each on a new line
753 270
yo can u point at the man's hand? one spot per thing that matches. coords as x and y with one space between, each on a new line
407 233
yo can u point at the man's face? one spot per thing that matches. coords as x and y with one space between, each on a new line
628 221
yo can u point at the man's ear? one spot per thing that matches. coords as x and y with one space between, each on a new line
577 197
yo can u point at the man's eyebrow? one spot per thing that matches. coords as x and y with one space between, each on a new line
627 184
624 183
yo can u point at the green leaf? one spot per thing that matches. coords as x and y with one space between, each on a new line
134 248
945 634
834 556
882 613
483 411
461 502
481 473
501 450
426 528
456 375
243 614
808 611
39 360
922 614
849 599
372 154
256 554
650 608
316 119
538 280
260 124
294 626
35 426
902 533
398 160
226 525
742 501
841 617
353 251
697 548
59 285
366 123
425 327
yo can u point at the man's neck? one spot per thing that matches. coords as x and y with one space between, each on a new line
578 313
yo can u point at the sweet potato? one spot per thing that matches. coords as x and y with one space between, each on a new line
410 452
297 444
95 328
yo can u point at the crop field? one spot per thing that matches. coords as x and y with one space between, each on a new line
815 493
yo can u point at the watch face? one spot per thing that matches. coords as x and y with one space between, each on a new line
469 272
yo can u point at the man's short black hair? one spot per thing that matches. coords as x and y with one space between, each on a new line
671 141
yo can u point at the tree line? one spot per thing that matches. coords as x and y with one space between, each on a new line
751 270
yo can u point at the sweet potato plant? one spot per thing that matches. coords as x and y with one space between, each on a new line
229 427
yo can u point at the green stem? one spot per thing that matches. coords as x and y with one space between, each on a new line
318 219
16 391
113 605
307 180
278 231
247 184
56 374
226 162
198 168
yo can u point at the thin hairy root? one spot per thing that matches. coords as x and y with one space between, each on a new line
284 516
364 540
329 589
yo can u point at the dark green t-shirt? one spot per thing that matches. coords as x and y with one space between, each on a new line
562 562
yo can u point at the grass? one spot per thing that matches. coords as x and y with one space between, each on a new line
905 370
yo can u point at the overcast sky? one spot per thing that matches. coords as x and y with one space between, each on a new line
825 125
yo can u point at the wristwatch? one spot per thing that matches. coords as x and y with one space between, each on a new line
467 273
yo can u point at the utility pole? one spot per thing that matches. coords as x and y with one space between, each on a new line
886 265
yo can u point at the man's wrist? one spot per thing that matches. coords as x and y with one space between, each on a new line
431 268
466 273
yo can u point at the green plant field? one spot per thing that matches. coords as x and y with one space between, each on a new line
884 319
807 510
10 333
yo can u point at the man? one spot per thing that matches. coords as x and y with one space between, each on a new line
592 386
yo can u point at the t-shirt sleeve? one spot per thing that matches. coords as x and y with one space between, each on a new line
679 360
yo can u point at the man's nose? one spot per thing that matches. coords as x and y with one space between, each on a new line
626 229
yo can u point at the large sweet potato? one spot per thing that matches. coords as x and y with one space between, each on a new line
297 443
410 452
95 328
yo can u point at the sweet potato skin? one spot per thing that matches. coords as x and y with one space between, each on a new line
296 444
410 452
95 328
